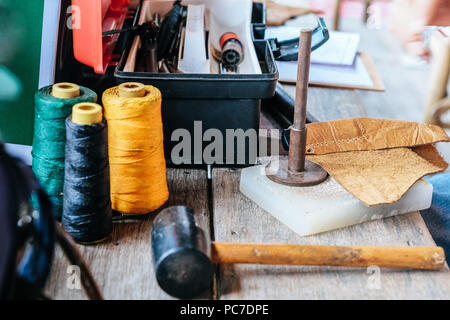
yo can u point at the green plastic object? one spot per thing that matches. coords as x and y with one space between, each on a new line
49 141
20 49
10 88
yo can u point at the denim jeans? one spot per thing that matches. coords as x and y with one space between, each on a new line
437 218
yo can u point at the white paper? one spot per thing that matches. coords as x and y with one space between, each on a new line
445 31
355 76
20 151
340 49
49 42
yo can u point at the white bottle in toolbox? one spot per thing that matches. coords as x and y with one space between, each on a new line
194 49
234 16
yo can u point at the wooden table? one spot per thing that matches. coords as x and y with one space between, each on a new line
123 267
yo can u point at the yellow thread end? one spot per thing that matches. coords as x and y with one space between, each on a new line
93 242
131 90
87 113
65 90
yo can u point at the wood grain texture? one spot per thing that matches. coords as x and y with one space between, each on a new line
237 219
123 265
331 104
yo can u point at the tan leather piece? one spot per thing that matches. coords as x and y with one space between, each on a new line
379 176
376 160
369 134
431 154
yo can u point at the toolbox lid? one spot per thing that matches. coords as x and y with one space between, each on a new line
90 19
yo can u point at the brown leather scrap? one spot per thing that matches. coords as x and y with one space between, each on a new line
369 134
376 160
430 153
379 176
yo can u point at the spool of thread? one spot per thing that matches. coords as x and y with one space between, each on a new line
136 151
53 104
87 205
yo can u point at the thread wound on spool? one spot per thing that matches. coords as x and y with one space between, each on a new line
87 206
49 140
136 151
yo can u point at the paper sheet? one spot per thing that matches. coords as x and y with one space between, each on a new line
356 75
49 42
341 49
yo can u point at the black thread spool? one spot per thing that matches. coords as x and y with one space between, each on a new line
87 205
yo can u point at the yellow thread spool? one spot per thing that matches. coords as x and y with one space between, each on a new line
136 151
65 90
87 113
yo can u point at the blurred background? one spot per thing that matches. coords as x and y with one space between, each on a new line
395 33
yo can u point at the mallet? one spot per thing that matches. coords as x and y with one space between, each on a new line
183 256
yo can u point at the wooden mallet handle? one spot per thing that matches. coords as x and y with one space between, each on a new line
426 258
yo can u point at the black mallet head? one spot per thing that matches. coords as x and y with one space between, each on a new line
181 253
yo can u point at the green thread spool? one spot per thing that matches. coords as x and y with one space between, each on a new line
53 104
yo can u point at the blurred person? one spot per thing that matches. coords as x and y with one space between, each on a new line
410 19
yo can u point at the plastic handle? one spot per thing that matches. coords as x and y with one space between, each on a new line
287 50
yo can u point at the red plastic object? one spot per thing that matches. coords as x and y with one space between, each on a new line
228 36
90 18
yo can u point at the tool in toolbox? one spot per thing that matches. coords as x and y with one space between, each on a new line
148 54
183 255
233 17
194 58
170 32
232 53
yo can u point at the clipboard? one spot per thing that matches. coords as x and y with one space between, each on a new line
366 62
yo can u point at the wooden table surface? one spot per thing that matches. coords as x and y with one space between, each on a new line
123 267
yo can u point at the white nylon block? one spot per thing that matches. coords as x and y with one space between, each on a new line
328 206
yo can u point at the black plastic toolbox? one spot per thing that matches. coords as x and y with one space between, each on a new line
259 19
218 101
